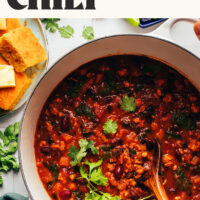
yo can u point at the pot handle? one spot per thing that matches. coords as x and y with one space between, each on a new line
164 32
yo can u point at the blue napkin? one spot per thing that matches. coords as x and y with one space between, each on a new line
13 196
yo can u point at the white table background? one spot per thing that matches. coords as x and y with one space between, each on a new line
182 33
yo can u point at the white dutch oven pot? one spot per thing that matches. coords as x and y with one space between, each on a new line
157 45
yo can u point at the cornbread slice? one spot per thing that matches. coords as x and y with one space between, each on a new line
21 49
3 24
11 23
7 76
9 97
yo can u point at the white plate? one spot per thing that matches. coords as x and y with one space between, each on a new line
39 32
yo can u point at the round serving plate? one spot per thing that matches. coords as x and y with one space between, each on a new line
179 58
36 72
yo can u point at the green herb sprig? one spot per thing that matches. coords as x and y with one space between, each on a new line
77 155
110 126
8 146
128 104
95 176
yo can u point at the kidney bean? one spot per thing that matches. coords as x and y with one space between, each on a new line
65 194
118 171
65 123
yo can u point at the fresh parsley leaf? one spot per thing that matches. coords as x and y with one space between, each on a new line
88 33
92 195
128 104
8 146
8 162
77 155
51 24
110 126
10 134
93 165
84 109
66 31
95 174
98 178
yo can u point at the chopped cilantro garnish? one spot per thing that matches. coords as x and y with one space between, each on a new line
77 155
66 31
128 104
51 24
75 89
88 33
110 126
95 176
84 109
8 146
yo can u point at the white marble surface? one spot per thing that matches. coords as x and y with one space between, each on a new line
182 34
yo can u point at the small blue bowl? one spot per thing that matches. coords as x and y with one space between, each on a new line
146 22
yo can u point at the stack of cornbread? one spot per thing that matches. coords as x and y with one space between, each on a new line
19 50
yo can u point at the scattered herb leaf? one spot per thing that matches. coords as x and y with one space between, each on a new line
53 168
110 126
51 24
66 31
147 197
8 146
77 155
128 104
88 33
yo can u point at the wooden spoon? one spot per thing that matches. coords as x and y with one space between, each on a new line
154 182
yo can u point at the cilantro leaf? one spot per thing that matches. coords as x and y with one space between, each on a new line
8 162
88 33
95 176
110 126
51 24
8 146
128 104
92 195
10 134
66 31
93 165
77 155
98 178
